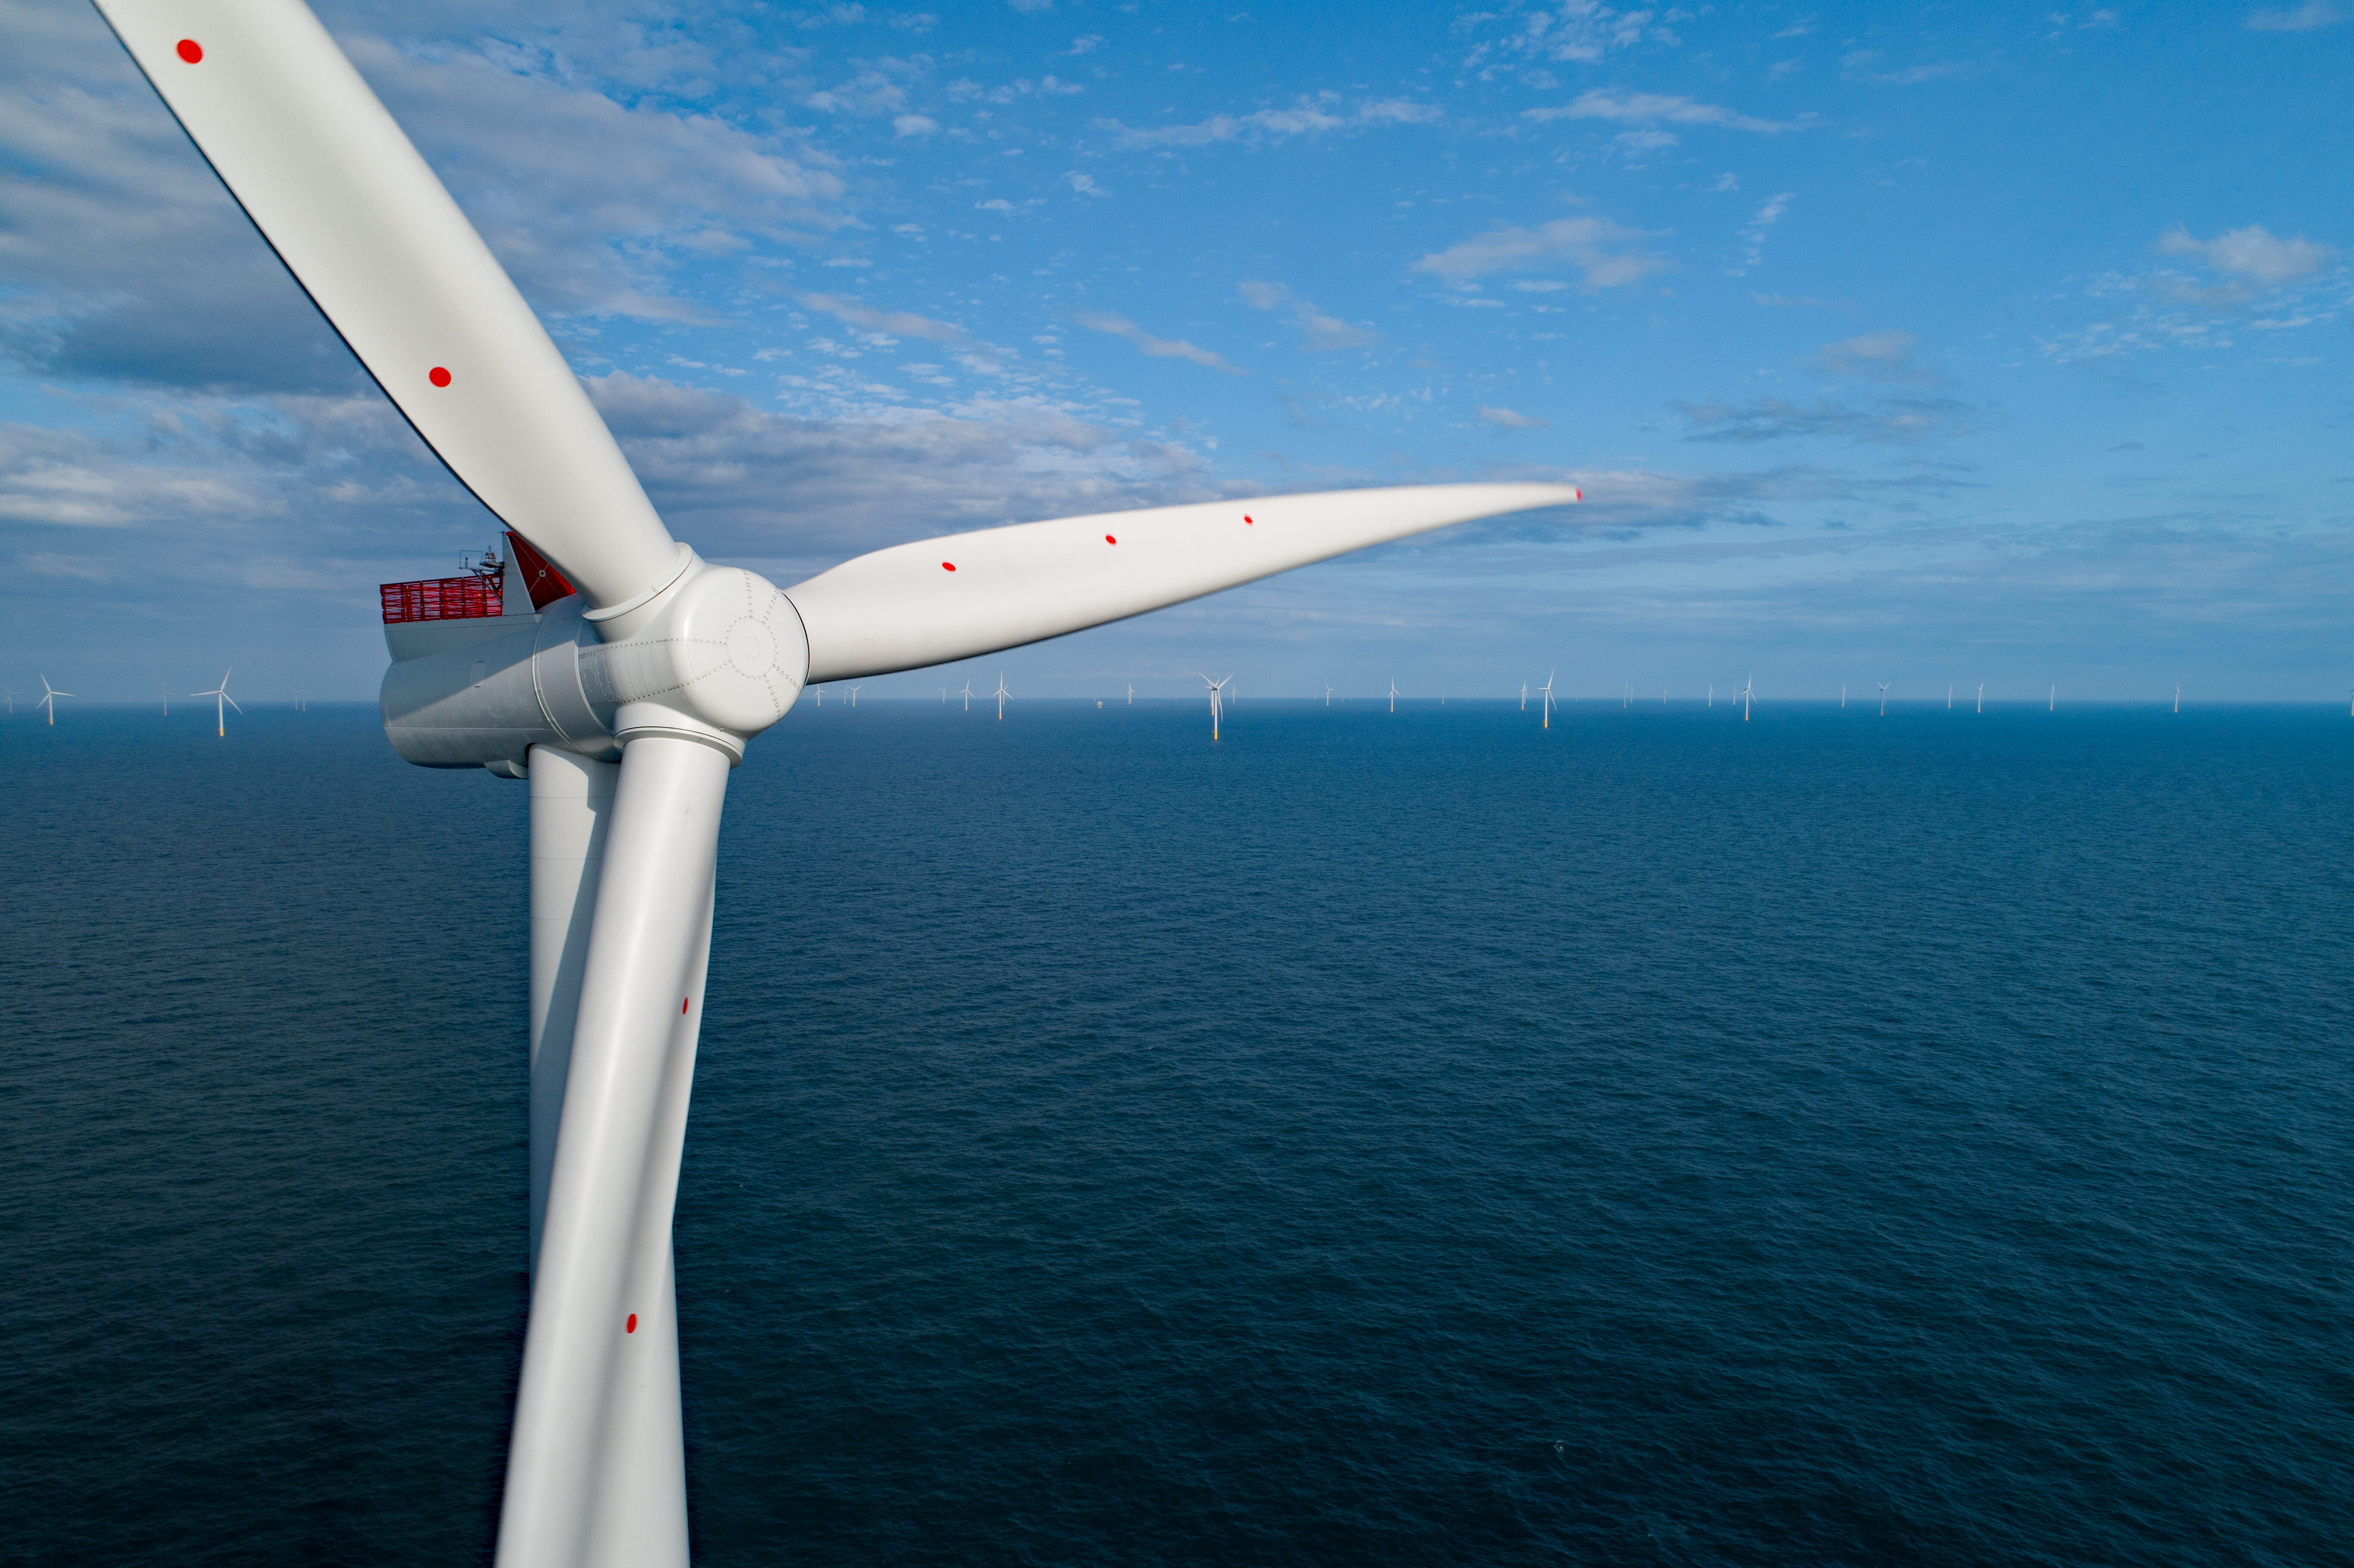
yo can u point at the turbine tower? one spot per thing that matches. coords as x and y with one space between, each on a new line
1547 690
1883 699
219 695
1748 691
624 697
1981 696
11 694
1218 689
966 696
853 696
1328 696
49 696
164 695
1001 694
1131 694
300 705
1393 696
1524 696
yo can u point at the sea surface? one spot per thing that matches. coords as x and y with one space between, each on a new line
1371 1139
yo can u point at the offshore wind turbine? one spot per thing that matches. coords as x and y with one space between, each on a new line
163 694
1883 699
300 705
1216 688
966 696
2054 706
1393 696
219 695
624 698
11 694
1547 690
1949 699
49 696
1131 694
1328 696
1001 694
1981 696
853 696
1747 692
2178 697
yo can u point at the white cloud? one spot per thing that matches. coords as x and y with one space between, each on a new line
1753 237
1599 247
1322 332
1876 356
1510 420
1579 30
914 125
1084 183
897 323
1156 347
2303 19
1307 117
1652 109
2252 253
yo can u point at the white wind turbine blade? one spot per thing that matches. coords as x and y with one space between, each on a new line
371 234
968 594
596 1473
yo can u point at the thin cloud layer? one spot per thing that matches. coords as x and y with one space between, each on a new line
1146 344
1599 249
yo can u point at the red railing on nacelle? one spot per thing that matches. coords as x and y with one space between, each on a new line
442 599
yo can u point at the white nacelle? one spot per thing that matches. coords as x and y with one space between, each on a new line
717 656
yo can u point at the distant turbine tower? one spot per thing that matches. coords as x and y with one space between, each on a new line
1216 687
1748 690
1949 699
219 695
300 705
1843 696
1981 696
853 696
1711 693
49 696
11 693
165 693
2054 706
1626 698
1131 697
1328 696
944 696
1393 696
966 696
821 694
1883 699
2178 698
1547 690
1001 694
1524 696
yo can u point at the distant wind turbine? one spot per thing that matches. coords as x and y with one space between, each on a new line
966 696
300 705
1949 699
1216 688
1001 694
821 694
2178 698
1131 697
165 693
1843 696
1524 696
853 696
1328 696
1547 690
944 696
11 693
1748 690
1883 699
1711 693
1981 696
1393 696
219 695
2054 706
49 696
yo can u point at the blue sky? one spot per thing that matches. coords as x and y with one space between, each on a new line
1931 345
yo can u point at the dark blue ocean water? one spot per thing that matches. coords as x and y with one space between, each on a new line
1404 1139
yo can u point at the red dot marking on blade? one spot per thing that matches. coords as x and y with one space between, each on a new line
1110 540
1246 521
439 376
191 50
948 566
682 1005
632 1327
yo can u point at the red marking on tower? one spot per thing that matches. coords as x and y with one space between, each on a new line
632 1326
439 376
1110 540
948 566
191 50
